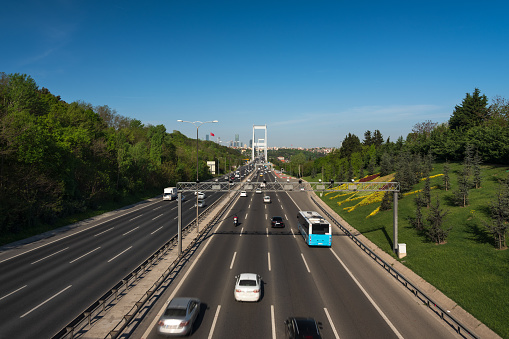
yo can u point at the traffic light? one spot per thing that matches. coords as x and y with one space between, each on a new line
300 181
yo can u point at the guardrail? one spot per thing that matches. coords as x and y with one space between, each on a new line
443 314
101 305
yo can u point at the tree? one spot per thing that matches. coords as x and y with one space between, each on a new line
386 201
476 169
464 185
377 139
385 164
500 216
447 180
350 145
426 192
418 221
472 112
434 230
367 138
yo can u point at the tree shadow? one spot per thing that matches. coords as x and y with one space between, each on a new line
384 231
478 234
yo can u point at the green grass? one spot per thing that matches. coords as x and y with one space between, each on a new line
105 206
468 268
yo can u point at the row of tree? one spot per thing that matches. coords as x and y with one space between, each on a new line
59 158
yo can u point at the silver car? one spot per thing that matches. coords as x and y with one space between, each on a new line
179 317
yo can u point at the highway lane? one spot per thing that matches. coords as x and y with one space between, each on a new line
44 288
358 300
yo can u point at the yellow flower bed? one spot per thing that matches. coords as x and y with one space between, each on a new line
433 176
374 212
417 191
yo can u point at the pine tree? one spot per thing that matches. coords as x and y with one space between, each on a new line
500 216
427 192
447 180
386 201
472 112
476 169
434 231
464 185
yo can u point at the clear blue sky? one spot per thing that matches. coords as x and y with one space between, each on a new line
312 71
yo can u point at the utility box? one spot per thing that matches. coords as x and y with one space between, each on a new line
401 250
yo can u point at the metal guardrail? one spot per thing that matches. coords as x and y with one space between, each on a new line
443 314
101 305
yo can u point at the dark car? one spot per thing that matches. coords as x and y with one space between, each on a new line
277 222
302 328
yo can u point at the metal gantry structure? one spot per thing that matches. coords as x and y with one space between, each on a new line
294 186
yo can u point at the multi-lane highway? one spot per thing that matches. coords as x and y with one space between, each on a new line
46 284
351 296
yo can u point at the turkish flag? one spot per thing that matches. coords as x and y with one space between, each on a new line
212 134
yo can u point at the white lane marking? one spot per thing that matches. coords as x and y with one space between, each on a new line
267 231
268 259
131 230
158 207
266 216
157 230
19 289
136 217
70 235
211 333
331 323
233 260
70 262
46 257
160 313
305 263
272 318
291 230
36 307
245 218
127 249
160 215
241 230
368 296
109 229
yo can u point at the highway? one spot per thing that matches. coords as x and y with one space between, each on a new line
341 287
46 284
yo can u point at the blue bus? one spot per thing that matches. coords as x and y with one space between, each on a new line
315 230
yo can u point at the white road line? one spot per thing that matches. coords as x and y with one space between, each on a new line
272 318
291 230
305 263
268 259
368 296
245 218
160 215
46 257
109 229
266 216
156 319
36 307
241 230
130 230
70 262
127 249
211 333
157 230
158 207
331 323
233 260
19 289
136 217
70 235
267 231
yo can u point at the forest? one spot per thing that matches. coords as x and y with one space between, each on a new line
58 159
474 123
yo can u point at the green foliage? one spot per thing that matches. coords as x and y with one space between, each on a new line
59 159
351 144
473 111
435 230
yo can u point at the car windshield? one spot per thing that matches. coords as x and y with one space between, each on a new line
175 312
306 326
247 283
277 219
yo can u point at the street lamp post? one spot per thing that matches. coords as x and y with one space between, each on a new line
197 124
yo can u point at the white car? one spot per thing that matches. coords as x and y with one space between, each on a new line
201 195
259 191
243 194
266 199
248 287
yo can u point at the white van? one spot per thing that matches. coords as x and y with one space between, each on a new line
170 193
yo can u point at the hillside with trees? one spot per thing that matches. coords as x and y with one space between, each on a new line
58 159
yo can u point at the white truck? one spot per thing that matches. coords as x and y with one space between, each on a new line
170 193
